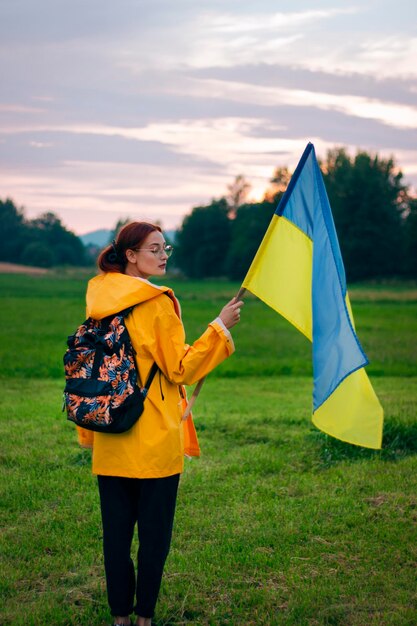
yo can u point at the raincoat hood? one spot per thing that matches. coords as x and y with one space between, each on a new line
112 292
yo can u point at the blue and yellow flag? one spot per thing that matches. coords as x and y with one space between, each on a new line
298 271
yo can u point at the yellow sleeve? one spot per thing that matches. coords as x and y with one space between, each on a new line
181 363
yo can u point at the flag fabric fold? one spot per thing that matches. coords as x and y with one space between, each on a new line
298 271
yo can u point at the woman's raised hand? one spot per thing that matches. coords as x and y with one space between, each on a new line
230 314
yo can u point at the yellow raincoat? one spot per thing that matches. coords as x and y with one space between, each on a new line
155 446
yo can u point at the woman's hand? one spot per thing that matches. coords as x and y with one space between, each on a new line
230 314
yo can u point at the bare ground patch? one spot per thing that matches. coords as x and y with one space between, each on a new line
14 268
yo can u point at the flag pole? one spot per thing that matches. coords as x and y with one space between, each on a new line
200 383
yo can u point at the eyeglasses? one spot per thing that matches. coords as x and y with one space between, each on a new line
158 250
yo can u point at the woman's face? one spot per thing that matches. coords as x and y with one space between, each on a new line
149 259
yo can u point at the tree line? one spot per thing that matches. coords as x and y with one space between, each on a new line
41 242
374 212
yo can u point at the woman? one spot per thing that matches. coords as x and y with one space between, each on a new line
138 471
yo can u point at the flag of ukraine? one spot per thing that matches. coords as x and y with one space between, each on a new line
298 271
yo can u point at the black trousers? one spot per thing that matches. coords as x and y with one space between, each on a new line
149 502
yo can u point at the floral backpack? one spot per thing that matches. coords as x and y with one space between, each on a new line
101 392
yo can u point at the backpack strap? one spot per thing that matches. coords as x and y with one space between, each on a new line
126 312
154 367
149 380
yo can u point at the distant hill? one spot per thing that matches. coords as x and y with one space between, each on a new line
98 238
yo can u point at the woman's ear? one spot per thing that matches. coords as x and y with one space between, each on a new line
130 255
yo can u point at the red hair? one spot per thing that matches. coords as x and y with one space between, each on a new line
113 257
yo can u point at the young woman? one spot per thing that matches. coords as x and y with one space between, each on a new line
138 471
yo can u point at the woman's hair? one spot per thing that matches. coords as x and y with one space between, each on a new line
131 236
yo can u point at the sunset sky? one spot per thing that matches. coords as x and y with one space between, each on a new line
144 109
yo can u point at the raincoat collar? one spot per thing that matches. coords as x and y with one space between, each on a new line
112 292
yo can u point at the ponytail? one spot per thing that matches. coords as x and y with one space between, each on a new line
109 259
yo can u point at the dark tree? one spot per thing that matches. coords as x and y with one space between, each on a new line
43 241
367 197
13 232
65 246
248 229
410 238
38 254
203 241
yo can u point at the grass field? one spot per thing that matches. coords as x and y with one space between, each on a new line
276 523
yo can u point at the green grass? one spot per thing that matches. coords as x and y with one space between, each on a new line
276 523
386 322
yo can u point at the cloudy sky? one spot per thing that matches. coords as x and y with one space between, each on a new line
146 108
